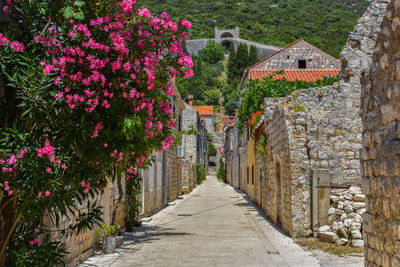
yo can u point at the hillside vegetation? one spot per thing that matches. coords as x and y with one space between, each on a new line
324 23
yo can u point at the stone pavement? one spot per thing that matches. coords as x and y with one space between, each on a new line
213 226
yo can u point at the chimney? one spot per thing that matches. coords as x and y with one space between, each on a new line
190 99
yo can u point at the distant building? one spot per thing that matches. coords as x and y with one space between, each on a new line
226 37
206 113
298 55
300 60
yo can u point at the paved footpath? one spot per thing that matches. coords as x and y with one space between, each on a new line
213 226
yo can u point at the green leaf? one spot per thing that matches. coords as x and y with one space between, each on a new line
79 16
79 3
68 12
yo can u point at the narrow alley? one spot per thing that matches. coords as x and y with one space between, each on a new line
212 226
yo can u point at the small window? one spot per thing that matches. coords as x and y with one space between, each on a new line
252 174
302 64
247 175
287 57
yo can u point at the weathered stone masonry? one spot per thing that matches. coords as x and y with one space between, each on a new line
380 156
318 147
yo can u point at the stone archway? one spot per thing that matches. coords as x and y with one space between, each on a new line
226 35
226 44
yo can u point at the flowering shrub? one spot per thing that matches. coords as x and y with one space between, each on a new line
86 97
254 120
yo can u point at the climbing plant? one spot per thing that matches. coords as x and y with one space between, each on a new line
253 98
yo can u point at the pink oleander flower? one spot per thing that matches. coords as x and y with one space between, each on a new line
159 126
3 39
6 188
17 46
144 12
48 170
99 126
11 160
171 122
188 74
40 194
127 5
186 24
58 95
47 193
148 124
10 193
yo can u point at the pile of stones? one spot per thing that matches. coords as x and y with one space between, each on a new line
345 218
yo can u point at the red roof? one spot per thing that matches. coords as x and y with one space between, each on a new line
205 110
308 75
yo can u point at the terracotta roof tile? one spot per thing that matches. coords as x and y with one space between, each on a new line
229 119
308 75
205 110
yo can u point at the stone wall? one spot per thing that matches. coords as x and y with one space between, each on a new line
82 246
153 186
194 46
380 155
288 58
345 217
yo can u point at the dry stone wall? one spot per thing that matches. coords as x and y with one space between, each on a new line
380 156
345 217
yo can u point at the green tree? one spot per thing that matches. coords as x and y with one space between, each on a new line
253 58
231 61
212 53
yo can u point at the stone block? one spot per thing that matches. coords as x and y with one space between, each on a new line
348 209
361 211
335 199
342 241
347 222
343 217
359 197
328 237
356 234
354 190
348 196
355 226
357 243
331 211
358 205
324 228
342 232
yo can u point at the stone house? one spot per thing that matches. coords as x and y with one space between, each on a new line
310 168
195 148
298 55
207 114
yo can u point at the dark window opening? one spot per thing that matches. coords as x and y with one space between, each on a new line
252 174
288 57
302 64
247 175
